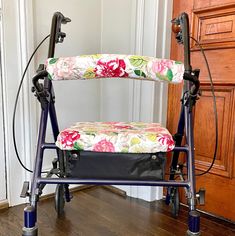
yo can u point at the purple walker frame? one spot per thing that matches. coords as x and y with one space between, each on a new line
45 95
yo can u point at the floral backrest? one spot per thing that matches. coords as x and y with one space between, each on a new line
114 66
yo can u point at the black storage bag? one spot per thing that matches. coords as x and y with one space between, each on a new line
115 166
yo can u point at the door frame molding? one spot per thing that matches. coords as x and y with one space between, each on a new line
17 39
3 191
151 40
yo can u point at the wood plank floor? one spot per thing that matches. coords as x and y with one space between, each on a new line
99 212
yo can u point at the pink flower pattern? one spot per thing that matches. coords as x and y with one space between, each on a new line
158 129
114 65
67 64
122 126
132 137
112 68
161 66
166 139
68 137
104 146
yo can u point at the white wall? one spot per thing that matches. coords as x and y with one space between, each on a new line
75 100
116 37
83 37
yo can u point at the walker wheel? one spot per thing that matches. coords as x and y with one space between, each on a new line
168 196
175 201
59 199
30 231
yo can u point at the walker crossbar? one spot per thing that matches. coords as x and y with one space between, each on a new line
113 182
53 146
45 94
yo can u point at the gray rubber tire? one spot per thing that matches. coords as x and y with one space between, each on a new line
59 199
30 231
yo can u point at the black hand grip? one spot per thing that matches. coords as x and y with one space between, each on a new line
37 77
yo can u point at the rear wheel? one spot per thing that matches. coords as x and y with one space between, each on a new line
175 201
59 199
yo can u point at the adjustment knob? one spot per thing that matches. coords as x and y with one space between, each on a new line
176 27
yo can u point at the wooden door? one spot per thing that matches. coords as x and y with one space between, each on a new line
213 24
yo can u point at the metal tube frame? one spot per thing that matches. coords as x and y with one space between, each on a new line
184 126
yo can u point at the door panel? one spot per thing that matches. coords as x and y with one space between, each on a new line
222 63
202 4
204 128
213 25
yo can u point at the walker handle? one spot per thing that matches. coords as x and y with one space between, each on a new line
56 36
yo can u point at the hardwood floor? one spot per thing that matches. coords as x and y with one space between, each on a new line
99 212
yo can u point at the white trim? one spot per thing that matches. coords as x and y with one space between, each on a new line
156 26
132 51
15 55
135 94
32 104
148 100
140 8
7 50
101 24
3 182
162 50
26 36
4 97
101 83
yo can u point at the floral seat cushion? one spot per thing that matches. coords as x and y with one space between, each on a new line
132 137
114 66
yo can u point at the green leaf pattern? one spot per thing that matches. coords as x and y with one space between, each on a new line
169 74
53 61
138 61
78 146
140 73
89 73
